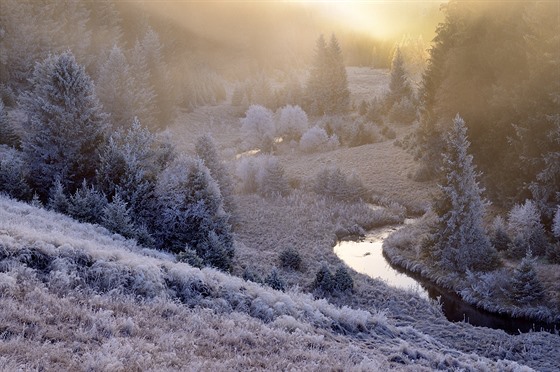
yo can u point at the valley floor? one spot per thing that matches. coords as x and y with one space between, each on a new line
76 297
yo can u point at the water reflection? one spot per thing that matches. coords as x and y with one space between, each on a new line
366 256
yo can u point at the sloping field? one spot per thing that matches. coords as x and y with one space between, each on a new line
75 297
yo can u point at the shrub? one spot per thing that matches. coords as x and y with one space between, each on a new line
8 135
331 182
358 133
316 139
343 282
292 123
257 129
324 280
262 174
272 181
389 133
251 275
274 281
189 256
290 258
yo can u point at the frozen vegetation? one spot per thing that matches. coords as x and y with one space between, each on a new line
171 190
76 296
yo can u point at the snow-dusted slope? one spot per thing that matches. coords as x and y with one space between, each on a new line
73 296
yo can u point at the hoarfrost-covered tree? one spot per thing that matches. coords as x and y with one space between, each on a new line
327 87
338 87
117 217
129 165
524 224
57 198
87 204
144 91
292 123
191 213
331 182
65 126
257 129
207 151
556 223
500 238
399 88
317 85
316 139
165 89
8 135
13 174
461 239
272 181
115 88
526 287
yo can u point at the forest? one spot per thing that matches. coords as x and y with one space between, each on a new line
173 180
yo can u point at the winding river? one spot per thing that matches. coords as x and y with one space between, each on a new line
366 256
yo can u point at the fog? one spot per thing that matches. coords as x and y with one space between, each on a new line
282 34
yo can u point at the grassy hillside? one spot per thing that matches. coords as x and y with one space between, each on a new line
73 296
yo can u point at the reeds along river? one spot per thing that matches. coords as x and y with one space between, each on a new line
366 256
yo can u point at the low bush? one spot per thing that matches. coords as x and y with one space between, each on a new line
274 281
291 259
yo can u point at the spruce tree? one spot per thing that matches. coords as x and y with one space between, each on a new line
524 223
399 88
8 135
65 126
526 287
117 218
129 165
13 174
327 87
556 223
317 85
57 199
462 241
115 87
87 204
272 179
207 151
190 212
339 95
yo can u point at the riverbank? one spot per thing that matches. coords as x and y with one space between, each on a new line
488 291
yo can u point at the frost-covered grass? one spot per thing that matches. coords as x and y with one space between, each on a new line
489 291
269 226
75 297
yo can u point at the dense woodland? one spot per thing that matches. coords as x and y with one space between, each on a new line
498 68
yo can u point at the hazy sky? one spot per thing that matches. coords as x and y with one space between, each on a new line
230 19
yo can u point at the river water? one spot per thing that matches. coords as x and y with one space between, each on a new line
366 256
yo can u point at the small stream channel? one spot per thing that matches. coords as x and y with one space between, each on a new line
366 256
